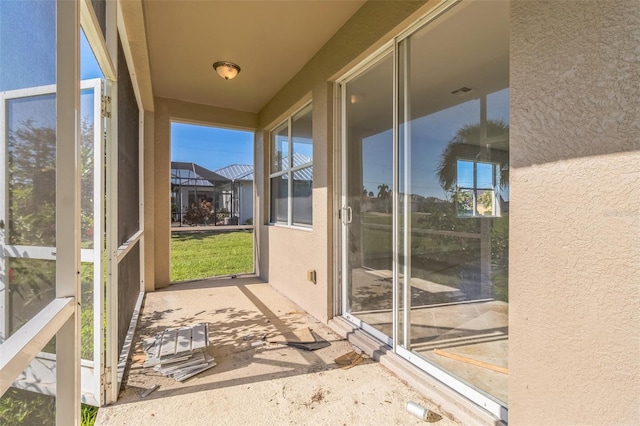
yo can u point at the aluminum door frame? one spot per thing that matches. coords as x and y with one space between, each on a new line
92 383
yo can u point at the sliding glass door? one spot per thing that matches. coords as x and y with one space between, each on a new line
425 214
367 200
454 194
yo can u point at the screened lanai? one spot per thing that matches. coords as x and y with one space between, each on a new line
195 194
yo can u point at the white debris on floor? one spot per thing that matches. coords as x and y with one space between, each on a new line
180 352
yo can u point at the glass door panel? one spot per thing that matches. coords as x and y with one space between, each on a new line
368 198
454 195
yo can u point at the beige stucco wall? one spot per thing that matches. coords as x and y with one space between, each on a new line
285 255
149 202
167 110
574 335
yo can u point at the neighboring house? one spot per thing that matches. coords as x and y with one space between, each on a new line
237 195
190 185
469 193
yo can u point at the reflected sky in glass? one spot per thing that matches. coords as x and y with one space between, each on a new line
484 175
377 152
465 174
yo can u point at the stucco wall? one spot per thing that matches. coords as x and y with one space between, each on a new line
149 202
165 111
285 255
574 278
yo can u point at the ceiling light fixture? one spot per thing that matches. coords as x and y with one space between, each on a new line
226 70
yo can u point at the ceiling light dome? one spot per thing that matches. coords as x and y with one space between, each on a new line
226 70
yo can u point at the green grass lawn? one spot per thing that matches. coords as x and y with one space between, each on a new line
21 407
210 254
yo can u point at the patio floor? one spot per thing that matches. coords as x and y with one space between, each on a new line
269 384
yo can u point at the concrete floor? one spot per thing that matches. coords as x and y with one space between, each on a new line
270 384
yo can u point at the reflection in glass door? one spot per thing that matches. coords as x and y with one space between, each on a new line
454 195
425 261
367 198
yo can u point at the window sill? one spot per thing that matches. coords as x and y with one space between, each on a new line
296 227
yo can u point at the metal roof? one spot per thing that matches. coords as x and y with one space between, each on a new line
237 172
307 172
303 174
244 172
194 175
191 174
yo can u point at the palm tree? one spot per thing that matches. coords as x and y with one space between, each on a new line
465 145
384 194
383 191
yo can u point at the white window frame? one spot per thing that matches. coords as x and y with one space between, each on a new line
495 206
288 171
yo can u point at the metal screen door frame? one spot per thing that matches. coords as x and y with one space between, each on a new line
43 367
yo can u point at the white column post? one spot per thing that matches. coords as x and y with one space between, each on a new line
68 209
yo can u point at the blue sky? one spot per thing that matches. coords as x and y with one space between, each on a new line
430 135
210 147
17 70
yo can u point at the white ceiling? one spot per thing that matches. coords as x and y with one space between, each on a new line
270 40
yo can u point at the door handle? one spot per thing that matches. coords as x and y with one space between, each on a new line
347 215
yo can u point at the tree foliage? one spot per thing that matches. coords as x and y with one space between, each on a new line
32 218
32 184
466 144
